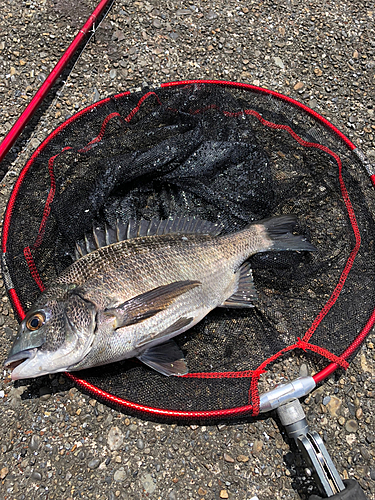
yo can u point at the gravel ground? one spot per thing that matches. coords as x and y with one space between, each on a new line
56 442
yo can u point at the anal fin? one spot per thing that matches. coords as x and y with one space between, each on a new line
246 293
167 359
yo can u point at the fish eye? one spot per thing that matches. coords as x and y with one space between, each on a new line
35 321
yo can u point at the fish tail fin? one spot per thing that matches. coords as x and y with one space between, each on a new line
279 231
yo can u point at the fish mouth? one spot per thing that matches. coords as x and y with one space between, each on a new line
18 361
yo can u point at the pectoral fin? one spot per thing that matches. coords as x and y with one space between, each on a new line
148 304
167 359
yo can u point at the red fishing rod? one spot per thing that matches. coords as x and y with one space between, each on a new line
87 28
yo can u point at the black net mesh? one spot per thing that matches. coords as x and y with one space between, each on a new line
212 151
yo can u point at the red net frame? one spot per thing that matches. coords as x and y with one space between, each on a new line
302 343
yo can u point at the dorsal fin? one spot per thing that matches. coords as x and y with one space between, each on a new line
133 229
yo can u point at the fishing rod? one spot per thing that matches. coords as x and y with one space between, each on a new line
86 32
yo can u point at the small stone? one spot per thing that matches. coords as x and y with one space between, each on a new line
242 458
350 439
156 23
228 458
140 444
115 439
318 72
4 472
211 15
202 492
148 483
359 413
365 453
303 370
120 475
94 463
113 74
257 446
279 62
355 54
326 400
37 476
118 459
341 421
34 442
334 406
365 366
224 494
299 86
118 35
351 425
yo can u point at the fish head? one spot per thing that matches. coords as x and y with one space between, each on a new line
55 334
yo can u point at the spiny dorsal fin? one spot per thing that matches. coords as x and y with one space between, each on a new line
133 229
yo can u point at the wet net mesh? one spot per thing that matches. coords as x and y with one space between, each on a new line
226 154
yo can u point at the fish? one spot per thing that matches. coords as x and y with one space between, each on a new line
133 288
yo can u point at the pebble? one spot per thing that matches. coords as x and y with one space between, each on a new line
228 458
334 406
37 476
224 494
148 483
350 439
257 446
365 453
326 400
279 63
34 442
115 439
140 444
351 425
211 15
303 370
299 86
120 475
94 463
4 472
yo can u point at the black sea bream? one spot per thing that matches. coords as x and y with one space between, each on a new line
136 288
